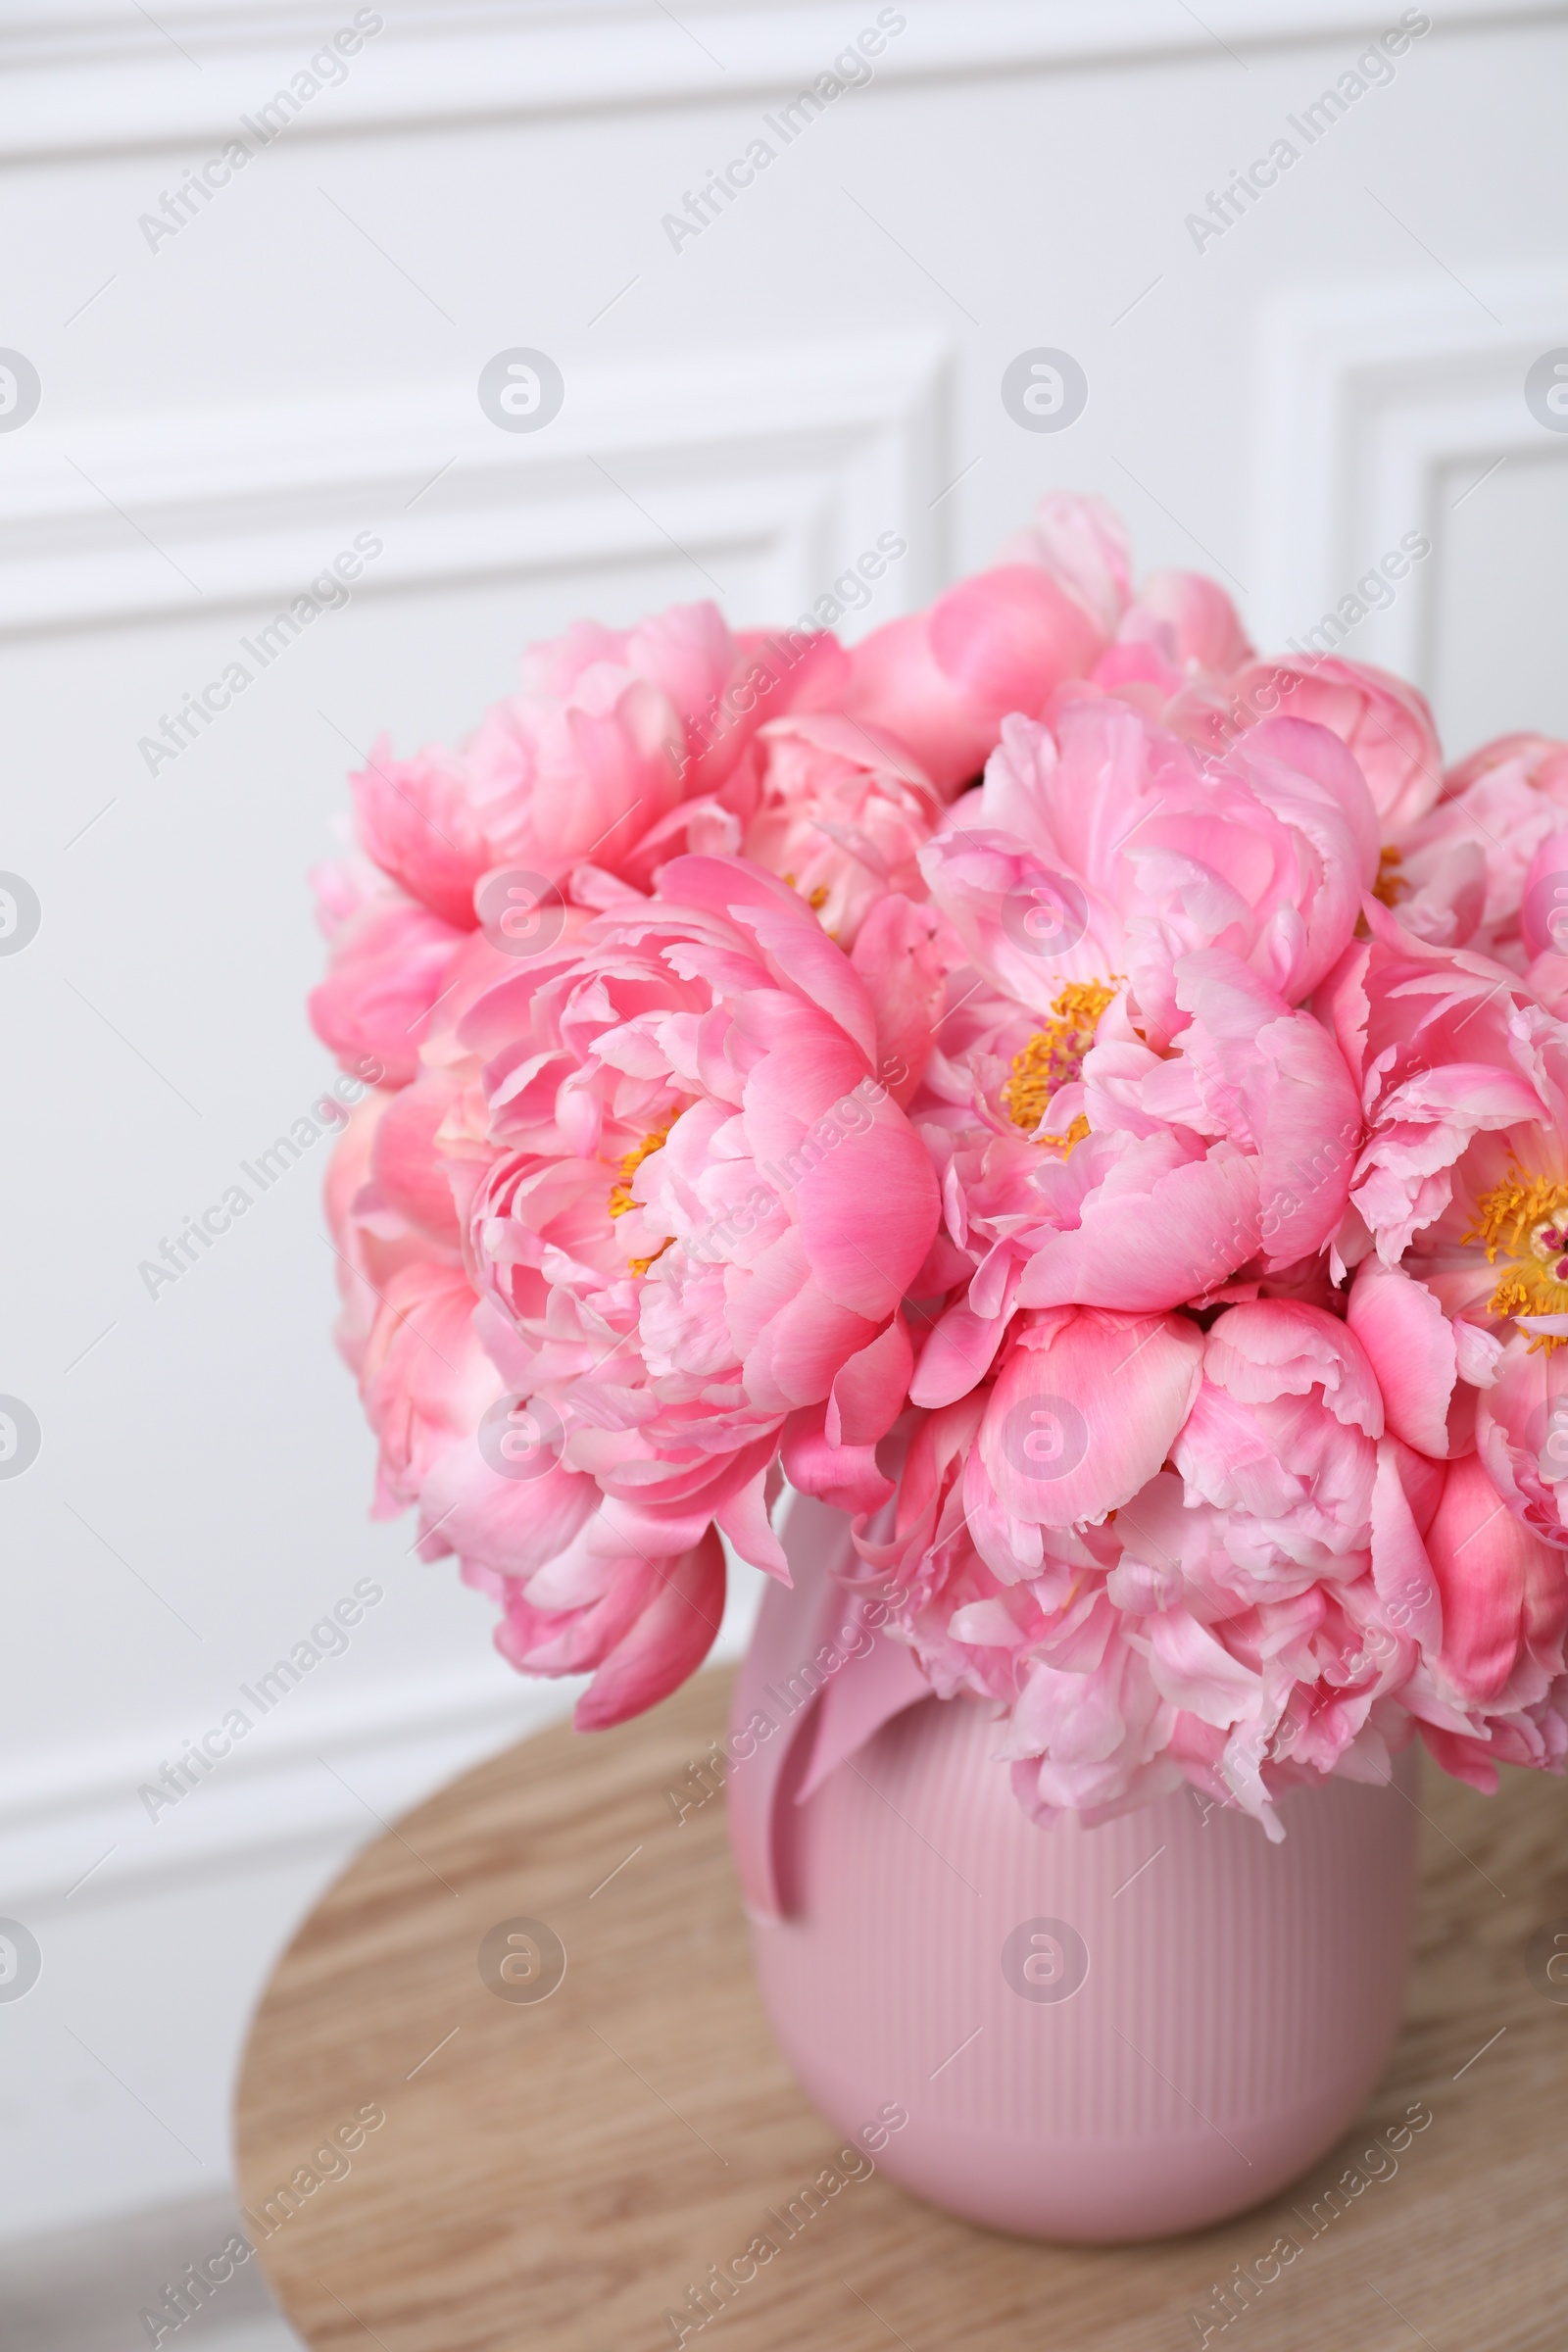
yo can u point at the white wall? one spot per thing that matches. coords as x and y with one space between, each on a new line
222 415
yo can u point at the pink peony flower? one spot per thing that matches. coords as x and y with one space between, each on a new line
1081 1416
1168 1555
717 1050
1111 846
1543 916
1475 870
620 741
1139 1190
1282 1442
486 1474
943 681
646 1626
1461 1189
1176 648
1538 761
389 967
1492 1689
841 815
1135 1114
1054 620
407 1315
1082 543
1505 804
1383 723
615 1238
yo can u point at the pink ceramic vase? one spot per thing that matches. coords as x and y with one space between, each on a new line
1100 2033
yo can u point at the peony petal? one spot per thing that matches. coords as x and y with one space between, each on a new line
669 1641
1411 1598
744 1519
1193 1670
1410 1342
1283 1347
958 1354
846 1476
1152 1237
903 953
1482 1559
417 823
869 1392
1079 1422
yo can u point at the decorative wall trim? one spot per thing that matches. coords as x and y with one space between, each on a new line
308 1782
274 1795
1370 396
77 79
796 458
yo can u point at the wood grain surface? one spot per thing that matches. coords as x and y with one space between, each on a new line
562 2172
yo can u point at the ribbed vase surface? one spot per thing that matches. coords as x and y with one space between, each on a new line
1102 2033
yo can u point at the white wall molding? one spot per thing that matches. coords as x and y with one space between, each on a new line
280 1790
801 455
76 80
318 1773
1370 396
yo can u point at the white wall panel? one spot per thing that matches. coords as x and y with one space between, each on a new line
761 474
223 410
527 58
1395 407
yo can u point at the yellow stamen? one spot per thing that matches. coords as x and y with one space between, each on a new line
1053 1057
620 1194
620 1198
640 1265
1074 1135
1391 885
1524 1219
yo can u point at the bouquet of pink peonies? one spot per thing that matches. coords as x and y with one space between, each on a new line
1088 1102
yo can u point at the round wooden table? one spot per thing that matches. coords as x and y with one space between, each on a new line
562 2157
